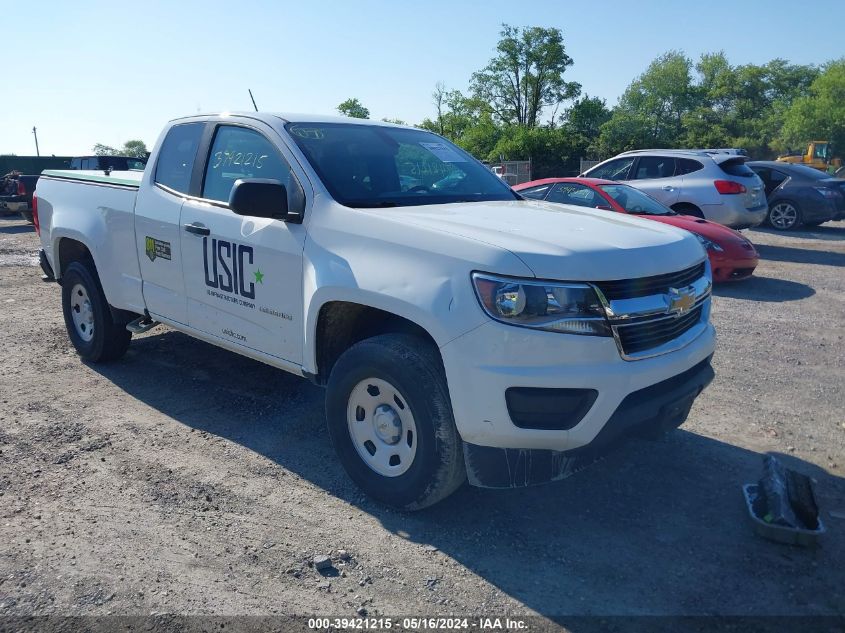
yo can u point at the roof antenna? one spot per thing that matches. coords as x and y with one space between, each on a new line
253 100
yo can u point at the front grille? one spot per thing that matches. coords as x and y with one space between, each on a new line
644 286
643 336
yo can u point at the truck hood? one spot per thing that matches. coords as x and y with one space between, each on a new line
564 242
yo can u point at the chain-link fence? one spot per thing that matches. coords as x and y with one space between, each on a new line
587 164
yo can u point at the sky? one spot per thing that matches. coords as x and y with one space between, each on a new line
106 72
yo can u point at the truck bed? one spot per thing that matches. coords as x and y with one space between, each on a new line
125 178
97 210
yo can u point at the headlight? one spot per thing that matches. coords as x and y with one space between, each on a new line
569 308
710 246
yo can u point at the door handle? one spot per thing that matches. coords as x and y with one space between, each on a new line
668 188
197 229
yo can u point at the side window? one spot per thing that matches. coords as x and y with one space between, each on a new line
86 163
614 170
536 193
76 163
572 193
176 157
776 178
765 174
239 152
687 166
655 167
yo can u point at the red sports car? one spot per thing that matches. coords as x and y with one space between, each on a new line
732 257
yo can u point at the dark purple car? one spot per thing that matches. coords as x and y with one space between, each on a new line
798 194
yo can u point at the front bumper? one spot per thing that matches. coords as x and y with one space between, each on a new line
487 361
731 268
646 412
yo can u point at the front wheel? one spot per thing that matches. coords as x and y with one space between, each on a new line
390 421
784 216
88 319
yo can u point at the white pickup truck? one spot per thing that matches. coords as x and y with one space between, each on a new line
460 330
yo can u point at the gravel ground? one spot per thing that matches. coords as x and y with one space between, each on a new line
185 479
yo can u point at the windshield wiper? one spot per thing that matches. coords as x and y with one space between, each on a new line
375 205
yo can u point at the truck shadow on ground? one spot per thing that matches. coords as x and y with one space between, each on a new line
764 289
17 228
800 255
657 527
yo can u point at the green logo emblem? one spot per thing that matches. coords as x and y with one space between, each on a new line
150 245
259 276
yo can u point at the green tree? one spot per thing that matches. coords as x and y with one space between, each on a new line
820 115
104 150
353 108
586 116
661 96
134 148
526 76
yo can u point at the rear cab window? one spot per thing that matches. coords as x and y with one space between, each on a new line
650 167
686 166
175 164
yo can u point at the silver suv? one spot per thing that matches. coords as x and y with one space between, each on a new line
712 184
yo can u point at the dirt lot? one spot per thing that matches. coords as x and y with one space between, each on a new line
185 479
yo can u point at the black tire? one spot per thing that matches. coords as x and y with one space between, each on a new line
779 211
109 340
414 368
685 208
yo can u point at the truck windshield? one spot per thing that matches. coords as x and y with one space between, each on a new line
368 166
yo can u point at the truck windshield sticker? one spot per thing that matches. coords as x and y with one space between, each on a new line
156 248
444 152
307 132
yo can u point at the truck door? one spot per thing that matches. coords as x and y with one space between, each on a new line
157 228
243 275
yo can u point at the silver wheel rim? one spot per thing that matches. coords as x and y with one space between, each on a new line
783 215
81 312
382 427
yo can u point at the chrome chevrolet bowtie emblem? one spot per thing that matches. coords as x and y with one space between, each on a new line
680 301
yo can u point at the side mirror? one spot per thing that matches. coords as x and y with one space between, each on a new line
260 198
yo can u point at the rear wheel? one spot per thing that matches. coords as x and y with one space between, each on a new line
390 421
88 319
784 215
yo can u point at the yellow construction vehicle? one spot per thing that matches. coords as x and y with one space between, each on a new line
819 154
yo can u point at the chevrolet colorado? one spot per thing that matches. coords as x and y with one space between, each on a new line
461 331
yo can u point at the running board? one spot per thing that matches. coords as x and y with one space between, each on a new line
141 325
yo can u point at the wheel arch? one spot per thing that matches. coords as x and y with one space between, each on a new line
69 250
339 324
687 208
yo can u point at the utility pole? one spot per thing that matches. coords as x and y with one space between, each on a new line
35 134
253 99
